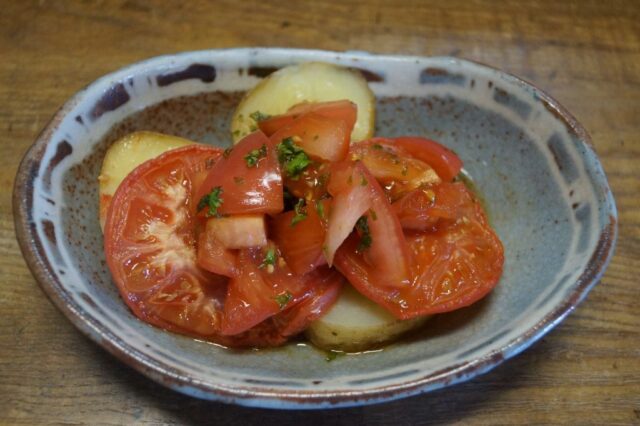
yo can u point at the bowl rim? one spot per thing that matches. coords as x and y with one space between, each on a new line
36 259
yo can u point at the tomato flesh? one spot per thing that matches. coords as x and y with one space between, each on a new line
261 291
301 242
396 170
246 188
422 208
321 137
150 243
236 232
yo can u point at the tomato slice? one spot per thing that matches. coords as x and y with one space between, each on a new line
150 244
312 182
320 137
454 266
422 208
444 161
395 169
343 110
262 290
249 178
356 194
301 242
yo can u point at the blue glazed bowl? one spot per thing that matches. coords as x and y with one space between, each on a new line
545 190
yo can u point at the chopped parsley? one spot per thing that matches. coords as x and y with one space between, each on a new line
255 155
283 299
320 209
301 212
363 181
258 116
362 225
331 355
292 157
269 258
212 200
227 152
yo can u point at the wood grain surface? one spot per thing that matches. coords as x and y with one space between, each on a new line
586 54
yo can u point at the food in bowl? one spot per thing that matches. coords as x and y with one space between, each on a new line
308 224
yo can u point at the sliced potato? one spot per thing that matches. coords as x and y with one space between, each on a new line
355 323
126 154
312 82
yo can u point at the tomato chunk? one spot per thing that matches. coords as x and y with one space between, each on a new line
240 231
359 197
214 257
262 289
343 110
247 179
320 137
301 241
395 169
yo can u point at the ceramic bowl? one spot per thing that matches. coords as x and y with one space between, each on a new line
546 193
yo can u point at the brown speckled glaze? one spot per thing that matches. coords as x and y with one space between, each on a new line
522 148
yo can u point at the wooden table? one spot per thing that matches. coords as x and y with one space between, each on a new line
587 54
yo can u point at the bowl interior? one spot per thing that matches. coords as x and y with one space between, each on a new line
542 186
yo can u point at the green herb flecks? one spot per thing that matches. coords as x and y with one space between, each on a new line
212 200
283 299
320 209
227 152
300 210
269 258
255 155
362 225
376 146
332 355
292 157
258 116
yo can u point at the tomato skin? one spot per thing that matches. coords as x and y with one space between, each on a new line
445 162
301 243
454 266
343 110
247 190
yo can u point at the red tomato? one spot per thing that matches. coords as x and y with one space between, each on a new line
357 193
395 169
277 329
422 208
312 182
320 137
454 266
301 242
343 110
247 187
445 162
150 244
214 257
261 291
